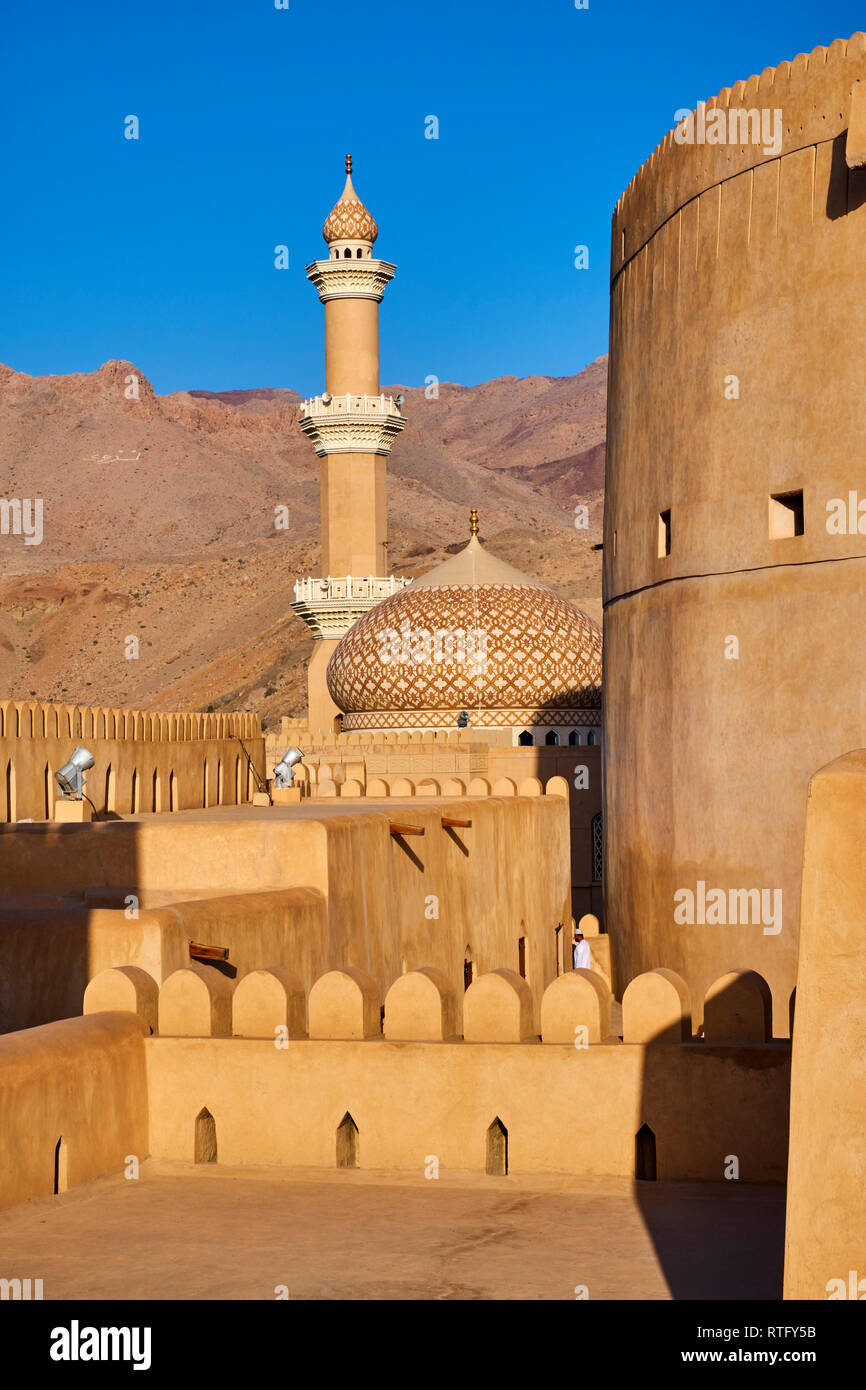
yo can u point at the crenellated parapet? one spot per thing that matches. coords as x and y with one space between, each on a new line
814 94
420 1006
25 719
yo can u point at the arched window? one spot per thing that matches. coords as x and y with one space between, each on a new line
61 1167
358 253
574 736
205 1137
526 738
552 737
645 1155
347 253
347 1142
597 856
497 1149
590 738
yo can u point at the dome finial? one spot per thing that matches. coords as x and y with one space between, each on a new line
349 220
473 522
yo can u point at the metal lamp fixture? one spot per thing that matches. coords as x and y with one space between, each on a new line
284 772
70 778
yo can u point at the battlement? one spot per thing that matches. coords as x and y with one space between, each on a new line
26 719
143 760
238 1074
346 1005
813 93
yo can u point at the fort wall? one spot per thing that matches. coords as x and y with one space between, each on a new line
143 761
826 1228
378 890
733 422
276 1074
452 764
73 1097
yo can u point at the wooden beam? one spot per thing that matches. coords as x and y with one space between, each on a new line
449 823
199 952
397 829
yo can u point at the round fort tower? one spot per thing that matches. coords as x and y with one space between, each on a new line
735 517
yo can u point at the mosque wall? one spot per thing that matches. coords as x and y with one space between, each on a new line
734 561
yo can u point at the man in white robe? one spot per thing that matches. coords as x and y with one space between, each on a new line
580 953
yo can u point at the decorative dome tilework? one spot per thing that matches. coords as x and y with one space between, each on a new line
508 653
349 220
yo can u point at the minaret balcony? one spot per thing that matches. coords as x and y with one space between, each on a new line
351 424
332 605
350 278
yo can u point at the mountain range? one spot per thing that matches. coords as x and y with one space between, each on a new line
158 522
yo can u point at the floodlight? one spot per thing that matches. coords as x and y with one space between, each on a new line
70 778
284 771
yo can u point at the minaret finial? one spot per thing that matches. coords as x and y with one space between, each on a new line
473 522
348 164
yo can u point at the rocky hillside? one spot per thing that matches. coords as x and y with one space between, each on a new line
158 523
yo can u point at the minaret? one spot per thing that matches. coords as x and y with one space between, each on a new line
351 426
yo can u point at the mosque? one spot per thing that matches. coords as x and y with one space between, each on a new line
370 967
471 644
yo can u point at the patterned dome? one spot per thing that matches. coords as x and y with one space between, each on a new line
349 220
473 634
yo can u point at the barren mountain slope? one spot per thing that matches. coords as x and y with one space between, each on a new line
159 523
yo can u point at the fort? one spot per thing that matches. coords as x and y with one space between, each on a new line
284 998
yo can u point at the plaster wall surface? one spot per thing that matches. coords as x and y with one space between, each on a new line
826 1226
352 346
736 374
79 1084
313 893
354 515
565 1110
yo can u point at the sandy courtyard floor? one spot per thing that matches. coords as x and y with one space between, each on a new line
221 1233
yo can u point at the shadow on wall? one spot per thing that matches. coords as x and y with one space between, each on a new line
47 920
725 1239
847 188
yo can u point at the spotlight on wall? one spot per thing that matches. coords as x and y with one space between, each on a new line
284 772
463 720
326 398
70 778
398 400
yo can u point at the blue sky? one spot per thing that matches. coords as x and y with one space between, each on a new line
161 250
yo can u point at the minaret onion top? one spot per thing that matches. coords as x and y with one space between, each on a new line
349 220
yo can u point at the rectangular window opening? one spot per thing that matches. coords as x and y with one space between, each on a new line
664 533
786 515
